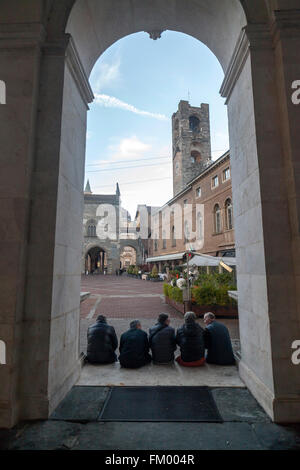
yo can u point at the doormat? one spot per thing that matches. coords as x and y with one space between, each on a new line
185 404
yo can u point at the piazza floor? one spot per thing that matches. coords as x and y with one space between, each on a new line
122 299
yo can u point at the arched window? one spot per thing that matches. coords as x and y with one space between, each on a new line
173 236
217 218
200 226
195 156
186 232
194 124
229 214
91 230
164 240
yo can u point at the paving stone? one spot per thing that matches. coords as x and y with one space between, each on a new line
275 437
81 404
47 435
237 404
167 436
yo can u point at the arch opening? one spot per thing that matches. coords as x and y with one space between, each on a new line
95 261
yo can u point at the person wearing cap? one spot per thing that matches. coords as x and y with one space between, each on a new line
102 342
190 339
162 340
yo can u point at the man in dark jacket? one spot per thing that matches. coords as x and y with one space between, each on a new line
217 342
162 340
102 342
134 347
191 342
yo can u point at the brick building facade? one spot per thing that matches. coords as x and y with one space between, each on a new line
200 217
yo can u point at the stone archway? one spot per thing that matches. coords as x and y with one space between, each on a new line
128 257
45 145
95 260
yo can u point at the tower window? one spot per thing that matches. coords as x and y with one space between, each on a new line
195 156
194 124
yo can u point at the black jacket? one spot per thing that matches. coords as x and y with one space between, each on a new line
102 342
162 343
218 344
191 341
134 349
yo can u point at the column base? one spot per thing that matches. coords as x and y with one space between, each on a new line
41 407
281 409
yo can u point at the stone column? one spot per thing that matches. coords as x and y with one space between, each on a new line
266 278
43 144
285 283
20 56
50 342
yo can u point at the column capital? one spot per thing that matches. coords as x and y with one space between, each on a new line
65 48
77 70
286 24
252 37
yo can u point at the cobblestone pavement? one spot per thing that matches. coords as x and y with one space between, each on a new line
122 299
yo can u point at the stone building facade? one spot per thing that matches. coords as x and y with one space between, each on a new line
106 236
191 143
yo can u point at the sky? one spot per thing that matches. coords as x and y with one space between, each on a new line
138 83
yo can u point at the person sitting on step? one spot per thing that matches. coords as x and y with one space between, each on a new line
134 347
102 342
190 339
217 342
162 340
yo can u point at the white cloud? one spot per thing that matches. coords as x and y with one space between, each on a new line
106 75
132 147
112 102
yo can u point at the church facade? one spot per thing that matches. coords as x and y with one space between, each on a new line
109 242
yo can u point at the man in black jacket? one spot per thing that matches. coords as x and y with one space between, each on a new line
102 342
134 347
217 342
190 338
162 340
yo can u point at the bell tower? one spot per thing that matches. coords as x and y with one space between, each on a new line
191 143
